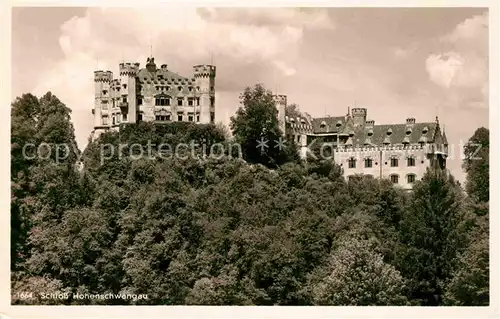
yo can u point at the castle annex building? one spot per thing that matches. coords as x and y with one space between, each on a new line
152 94
399 152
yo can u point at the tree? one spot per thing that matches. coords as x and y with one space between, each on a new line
431 229
292 110
255 127
37 191
477 165
469 285
355 275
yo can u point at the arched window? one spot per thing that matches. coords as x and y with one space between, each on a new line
410 178
394 178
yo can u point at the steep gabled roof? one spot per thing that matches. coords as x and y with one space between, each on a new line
158 75
329 124
398 133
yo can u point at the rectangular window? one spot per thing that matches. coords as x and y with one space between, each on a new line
179 102
411 178
394 162
411 161
352 163
368 162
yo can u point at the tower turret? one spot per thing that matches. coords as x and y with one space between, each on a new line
280 103
358 117
102 101
127 99
204 76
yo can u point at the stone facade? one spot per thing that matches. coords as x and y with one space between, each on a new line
399 152
152 94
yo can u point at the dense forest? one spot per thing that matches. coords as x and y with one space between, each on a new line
264 229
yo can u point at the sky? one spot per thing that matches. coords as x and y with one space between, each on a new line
396 62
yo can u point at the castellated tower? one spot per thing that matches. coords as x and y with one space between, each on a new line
280 103
102 101
126 93
204 76
359 117
154 94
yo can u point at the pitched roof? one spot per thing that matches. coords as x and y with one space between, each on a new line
329 124
160 74
398 133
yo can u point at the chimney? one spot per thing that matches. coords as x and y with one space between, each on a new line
410 120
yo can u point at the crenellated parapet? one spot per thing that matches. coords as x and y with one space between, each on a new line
383 148
204 71
358 111
130 69
280 99
103 76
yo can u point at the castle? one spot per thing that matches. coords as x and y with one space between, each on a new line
399 152
152 94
